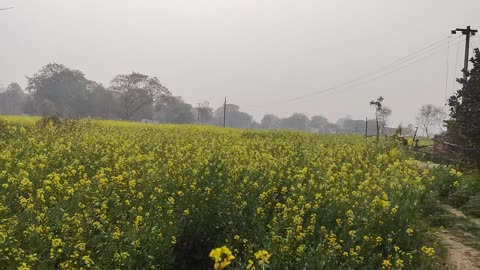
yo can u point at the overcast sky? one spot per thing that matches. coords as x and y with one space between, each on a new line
260 54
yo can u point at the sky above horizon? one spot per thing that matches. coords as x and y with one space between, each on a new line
259 54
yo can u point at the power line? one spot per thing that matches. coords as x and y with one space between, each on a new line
475 41
405 58
446 72
400 61
456 66
397 62
398 68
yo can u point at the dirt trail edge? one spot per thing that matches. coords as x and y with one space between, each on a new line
459 256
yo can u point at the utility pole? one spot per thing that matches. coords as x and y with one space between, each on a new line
224 111
366 127
467 32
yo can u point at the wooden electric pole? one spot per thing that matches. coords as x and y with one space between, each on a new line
468 32
224 111
366 127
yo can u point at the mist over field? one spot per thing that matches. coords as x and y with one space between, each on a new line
239 134
260 55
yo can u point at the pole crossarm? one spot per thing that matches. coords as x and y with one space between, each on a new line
465 31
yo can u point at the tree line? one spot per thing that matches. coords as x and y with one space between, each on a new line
58 90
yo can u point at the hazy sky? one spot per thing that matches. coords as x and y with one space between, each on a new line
258 53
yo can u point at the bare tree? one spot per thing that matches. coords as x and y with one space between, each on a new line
383 116
430 115
138 91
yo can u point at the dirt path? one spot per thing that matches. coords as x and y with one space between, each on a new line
459 256
460 214
454 211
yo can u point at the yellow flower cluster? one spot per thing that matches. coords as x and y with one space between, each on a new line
222 257
262 256
429 251
119 195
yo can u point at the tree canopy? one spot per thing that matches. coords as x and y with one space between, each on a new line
464 126
138 91
57 89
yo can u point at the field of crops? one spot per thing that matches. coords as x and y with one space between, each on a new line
115 195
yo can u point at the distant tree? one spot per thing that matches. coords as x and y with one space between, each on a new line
319 124
12 100
204 112
138 91
240 120
103 103
383 116
255 125
57 89
269 121
378 105
408 130
178 112
296 121
234 117
349 125
464 125
428 116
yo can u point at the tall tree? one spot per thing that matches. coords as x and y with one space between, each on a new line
464 125
58 89
428 116
377 104
137 92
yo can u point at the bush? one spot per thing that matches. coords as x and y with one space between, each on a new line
472 206
458 190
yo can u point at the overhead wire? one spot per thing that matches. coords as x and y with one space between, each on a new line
392 65
398 68
446 72
455 70
475 41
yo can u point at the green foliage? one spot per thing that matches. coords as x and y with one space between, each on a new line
472 206
139 93
57 89
464 128
458 190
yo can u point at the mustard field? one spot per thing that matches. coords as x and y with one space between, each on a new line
91 194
